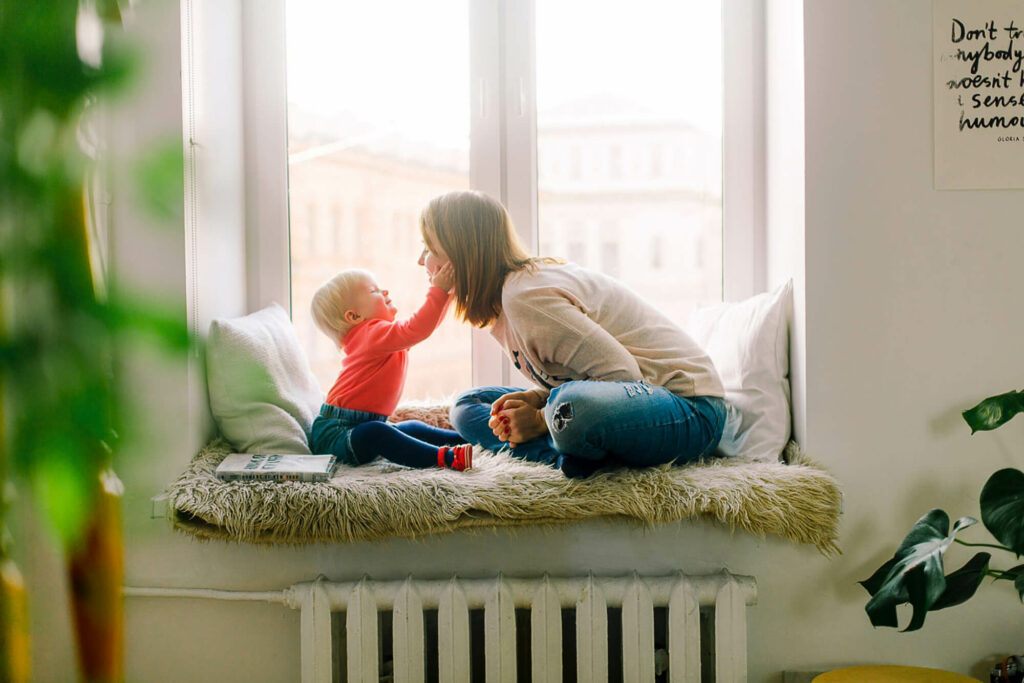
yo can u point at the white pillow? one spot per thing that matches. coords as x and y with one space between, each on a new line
262 393
748 342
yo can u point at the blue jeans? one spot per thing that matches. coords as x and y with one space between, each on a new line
603 424
356 437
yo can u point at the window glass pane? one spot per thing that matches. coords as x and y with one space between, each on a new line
629 144
378 124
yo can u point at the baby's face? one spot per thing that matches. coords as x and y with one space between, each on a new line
373 303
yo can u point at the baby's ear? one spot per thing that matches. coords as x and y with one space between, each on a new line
351 317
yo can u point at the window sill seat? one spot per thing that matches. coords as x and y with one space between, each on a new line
798 501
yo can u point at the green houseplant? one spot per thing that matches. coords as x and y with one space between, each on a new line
916 573
63 324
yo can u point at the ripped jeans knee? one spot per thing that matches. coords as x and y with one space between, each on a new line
570 417
636 423
574 404
559 412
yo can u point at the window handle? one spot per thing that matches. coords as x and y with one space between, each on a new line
522 98
483 98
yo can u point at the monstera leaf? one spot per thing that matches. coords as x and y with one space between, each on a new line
915 573
994 411
964 582
1015 574
1002 508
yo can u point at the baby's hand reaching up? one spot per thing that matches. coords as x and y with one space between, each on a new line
444 277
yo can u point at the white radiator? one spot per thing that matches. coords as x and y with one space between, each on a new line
589 597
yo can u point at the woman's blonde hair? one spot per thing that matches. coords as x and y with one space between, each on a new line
477 234
333 298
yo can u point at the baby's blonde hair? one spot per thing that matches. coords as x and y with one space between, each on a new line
333 298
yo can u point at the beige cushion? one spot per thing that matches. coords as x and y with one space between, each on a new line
748 342
262 393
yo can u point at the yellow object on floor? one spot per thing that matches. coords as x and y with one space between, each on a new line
892 674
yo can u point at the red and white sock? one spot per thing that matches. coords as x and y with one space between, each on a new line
461 457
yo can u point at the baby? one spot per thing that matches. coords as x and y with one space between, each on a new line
359 317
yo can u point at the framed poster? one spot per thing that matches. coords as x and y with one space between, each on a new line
978 92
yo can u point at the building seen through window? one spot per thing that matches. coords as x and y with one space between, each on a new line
659 234
629 165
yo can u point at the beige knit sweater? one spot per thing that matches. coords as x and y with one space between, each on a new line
565 322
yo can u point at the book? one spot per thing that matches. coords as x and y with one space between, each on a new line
275 467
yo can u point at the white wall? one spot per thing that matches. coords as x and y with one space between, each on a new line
907 302
911 317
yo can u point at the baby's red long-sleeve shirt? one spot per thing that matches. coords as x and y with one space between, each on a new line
377 355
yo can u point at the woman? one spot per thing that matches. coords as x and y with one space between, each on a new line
618 383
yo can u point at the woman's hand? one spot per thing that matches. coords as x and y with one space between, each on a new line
516 420
444 277
531 398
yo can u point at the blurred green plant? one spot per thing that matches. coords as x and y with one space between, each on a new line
916 574
61 326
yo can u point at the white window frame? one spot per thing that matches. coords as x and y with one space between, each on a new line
265 119
503 157
744 209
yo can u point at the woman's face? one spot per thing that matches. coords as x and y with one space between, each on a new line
432 257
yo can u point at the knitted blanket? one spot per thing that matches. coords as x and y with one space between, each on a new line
798 501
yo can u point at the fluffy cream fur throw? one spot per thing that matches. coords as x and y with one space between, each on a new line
798 501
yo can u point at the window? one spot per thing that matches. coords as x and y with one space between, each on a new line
618 93
577 116
575 163
615 162
657 164
610 258
377 125
576 251
311 228
657 252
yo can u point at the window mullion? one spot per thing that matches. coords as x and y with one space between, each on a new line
743 154
486 151
521 119
268 264
520 132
